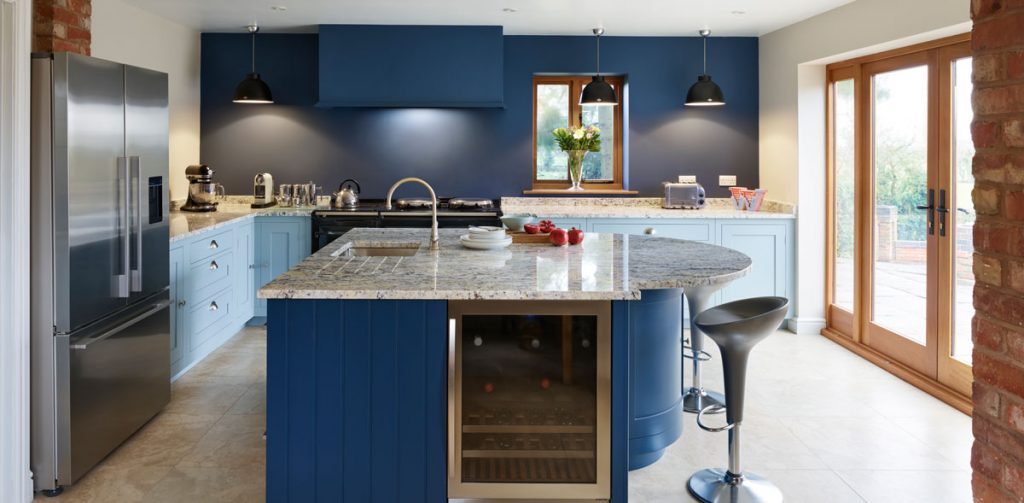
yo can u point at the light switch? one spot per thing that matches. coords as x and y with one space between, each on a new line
687 179
727 180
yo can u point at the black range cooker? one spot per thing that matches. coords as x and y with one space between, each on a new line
452 212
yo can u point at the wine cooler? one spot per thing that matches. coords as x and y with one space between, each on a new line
528 400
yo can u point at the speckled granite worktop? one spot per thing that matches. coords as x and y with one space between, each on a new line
185 224
604 267
634 207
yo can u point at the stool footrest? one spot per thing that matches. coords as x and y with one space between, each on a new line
699 356
712 409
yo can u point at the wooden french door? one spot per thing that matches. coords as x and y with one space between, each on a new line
899 237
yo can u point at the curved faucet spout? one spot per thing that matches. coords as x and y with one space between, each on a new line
433 207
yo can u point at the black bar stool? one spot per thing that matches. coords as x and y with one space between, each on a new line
736 327
696 398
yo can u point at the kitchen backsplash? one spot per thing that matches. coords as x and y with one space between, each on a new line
477 152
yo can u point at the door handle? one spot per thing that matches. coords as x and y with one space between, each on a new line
122 283
451 398
931 211
136 167
159 306
942 210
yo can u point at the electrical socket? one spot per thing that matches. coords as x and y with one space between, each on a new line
687 179
727 180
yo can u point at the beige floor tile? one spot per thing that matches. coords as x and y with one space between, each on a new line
205 398
236 441
872 443
163 441
811 486
227 363
910 486
950 436
210 485
105 484
254 401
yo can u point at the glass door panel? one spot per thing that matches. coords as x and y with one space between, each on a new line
900 143
962 213
844 148
552 112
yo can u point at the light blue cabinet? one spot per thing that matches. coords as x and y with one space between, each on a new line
768 244
214 278
178 325
244 277
281 243
693 230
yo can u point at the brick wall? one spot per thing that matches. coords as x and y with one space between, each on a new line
998 131
61 26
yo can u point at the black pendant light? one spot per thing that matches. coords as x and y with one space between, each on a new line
705 93
252 89
598 91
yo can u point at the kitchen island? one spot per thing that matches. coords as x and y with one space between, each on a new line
366 340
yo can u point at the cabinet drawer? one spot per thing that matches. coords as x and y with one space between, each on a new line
212 272
209 311
207 246
702 232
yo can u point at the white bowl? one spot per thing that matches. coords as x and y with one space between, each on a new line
487 234
484 244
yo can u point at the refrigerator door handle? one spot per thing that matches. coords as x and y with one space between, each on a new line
159 306
135 164
122 280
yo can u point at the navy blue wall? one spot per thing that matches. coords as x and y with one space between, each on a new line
476 152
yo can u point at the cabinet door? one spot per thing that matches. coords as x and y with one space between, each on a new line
244 274
768 246
694 230
281 242
178 328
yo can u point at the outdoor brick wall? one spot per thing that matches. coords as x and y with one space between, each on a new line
61 26
998 328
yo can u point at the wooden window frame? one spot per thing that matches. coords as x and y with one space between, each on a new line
576 84
850 329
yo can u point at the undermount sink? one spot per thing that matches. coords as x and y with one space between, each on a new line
392 250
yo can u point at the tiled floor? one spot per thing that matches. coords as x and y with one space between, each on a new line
821 423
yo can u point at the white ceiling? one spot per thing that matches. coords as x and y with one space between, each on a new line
531 17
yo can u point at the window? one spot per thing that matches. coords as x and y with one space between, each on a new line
556 103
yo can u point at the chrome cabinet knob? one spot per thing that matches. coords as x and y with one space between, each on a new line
214 306
650 231
213 244
213 265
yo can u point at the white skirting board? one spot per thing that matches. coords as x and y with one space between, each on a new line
15 50
806 325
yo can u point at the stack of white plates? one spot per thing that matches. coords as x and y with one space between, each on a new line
486 238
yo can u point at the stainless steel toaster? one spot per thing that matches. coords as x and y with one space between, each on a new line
688 196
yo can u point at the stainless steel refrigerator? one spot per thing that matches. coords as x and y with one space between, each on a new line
100 316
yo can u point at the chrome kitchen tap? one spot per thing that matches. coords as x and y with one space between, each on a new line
433 207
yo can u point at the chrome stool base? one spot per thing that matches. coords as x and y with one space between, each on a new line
694 400
713 486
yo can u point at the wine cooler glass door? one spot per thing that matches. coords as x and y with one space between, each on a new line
530 395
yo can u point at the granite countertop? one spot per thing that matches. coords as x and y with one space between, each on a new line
604 267
185 224
635 207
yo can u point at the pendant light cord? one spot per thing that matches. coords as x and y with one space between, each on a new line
254 52
704 35
598 55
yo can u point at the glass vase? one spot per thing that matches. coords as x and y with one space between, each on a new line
576 168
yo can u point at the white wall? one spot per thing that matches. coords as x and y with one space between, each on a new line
15 40
792 113
126 34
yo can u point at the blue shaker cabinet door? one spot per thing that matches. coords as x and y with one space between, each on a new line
244 274
281 242
769 246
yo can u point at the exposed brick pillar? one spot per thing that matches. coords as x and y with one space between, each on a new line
998 131
62 26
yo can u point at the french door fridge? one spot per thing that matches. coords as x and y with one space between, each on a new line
100 316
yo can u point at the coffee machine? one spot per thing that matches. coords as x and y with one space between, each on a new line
202 190
263 191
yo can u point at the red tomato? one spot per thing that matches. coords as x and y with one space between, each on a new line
545 383
559 237
489 388
531 228
575 236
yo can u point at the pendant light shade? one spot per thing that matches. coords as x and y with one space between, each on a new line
252 89
705 93
598 91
